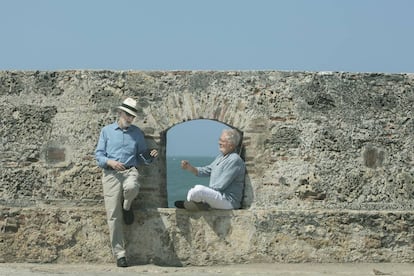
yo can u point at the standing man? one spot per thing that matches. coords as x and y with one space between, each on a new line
226 172
121 148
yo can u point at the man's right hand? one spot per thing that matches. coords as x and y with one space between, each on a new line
187 166
118 166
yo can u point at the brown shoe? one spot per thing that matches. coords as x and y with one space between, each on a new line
179 204
196 206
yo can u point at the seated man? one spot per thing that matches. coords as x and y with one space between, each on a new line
226 174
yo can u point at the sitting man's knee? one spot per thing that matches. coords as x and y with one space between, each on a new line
199 187
195 193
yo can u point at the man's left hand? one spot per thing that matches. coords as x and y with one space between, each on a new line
154 153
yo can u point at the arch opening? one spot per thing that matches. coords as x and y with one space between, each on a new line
195 141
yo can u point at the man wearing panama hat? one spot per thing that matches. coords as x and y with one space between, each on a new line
121 148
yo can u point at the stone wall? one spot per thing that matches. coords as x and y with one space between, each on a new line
328 156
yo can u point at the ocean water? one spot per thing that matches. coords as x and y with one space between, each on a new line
179 181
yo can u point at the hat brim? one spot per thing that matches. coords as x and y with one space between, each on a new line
128 111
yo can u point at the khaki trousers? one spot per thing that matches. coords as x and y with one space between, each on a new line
118 186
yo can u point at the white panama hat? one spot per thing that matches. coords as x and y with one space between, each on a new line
129 105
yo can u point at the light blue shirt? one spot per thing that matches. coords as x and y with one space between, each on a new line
226 176
123 145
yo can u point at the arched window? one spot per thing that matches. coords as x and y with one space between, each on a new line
195 141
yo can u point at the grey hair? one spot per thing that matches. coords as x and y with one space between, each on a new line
233 136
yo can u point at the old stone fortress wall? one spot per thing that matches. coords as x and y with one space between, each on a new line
329 159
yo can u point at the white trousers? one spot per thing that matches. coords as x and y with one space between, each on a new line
205 194
118 186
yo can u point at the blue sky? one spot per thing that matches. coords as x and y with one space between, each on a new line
297 35
317 35
194 138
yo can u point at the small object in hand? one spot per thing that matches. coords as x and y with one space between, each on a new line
146 155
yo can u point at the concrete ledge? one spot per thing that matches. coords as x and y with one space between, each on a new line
180 238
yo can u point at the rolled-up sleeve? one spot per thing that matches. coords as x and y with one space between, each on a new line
204 171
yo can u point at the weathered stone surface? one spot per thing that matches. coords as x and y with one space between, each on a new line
178 237
324 142
49 235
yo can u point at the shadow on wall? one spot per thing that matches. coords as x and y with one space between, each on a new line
156 248
220 229
152 178
248 195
